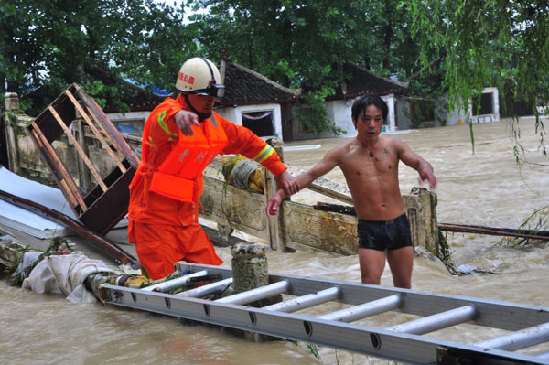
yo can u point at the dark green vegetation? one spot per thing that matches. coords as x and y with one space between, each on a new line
453 47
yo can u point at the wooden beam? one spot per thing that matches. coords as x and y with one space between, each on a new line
96 131
58 168
93 171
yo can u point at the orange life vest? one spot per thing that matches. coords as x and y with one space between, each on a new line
180 175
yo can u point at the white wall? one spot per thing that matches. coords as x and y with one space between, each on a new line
339 112
127 117
494 116
234 114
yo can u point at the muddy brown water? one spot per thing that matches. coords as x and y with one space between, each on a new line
486 189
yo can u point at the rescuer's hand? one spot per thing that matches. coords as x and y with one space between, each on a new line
184 120
288 183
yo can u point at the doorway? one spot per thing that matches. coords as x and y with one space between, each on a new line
261 123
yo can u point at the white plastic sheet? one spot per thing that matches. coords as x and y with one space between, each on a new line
65 275
24 220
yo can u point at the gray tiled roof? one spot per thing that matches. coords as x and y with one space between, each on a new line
359 81
245 86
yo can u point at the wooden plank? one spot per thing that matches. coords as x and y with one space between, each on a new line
85 158
97 133
528 234
275 224
331 193
305 227
107 127
58 169
239 209
315 230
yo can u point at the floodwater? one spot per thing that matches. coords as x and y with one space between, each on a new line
486 189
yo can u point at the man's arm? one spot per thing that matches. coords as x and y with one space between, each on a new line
305 179
243 141
418 163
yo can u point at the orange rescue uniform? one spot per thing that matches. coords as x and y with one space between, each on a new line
165 192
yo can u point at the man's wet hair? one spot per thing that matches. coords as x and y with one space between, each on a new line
360 105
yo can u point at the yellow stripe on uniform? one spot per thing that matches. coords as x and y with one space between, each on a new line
265 153
162 123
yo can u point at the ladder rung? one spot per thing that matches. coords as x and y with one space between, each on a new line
449 318
250 296
527 337
365 310
207 289
306 301
174 283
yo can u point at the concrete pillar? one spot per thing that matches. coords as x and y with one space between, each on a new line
249 266
390 100
250 271
10 126
11 102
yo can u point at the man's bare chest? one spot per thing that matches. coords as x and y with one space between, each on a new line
370 163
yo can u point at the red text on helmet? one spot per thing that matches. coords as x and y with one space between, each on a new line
186 78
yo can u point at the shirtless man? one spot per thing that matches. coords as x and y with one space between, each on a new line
369 163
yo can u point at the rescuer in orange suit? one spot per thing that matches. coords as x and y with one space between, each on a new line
180 139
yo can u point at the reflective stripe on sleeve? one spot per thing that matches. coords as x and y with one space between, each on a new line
162 123
265 153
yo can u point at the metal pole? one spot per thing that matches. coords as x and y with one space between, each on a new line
174 283
207 289
365 310
445 319
306 301
257 293
519 339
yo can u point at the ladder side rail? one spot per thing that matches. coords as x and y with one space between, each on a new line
517 340
208 289
306 301
174 283
369 309
497 314
380 343
253 295
449 318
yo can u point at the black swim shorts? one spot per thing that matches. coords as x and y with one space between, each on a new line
384 235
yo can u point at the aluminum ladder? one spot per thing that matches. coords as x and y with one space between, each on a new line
527 325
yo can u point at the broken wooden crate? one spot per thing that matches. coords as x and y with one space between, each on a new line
98 195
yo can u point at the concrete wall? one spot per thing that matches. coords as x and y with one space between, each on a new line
445 117
234 114
339 114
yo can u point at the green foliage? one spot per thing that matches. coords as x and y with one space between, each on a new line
536 223
300 45
486 43
312 348
50 44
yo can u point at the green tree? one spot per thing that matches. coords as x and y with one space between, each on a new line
49 44
490 42
300 44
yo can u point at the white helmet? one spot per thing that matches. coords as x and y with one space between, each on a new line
200 76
